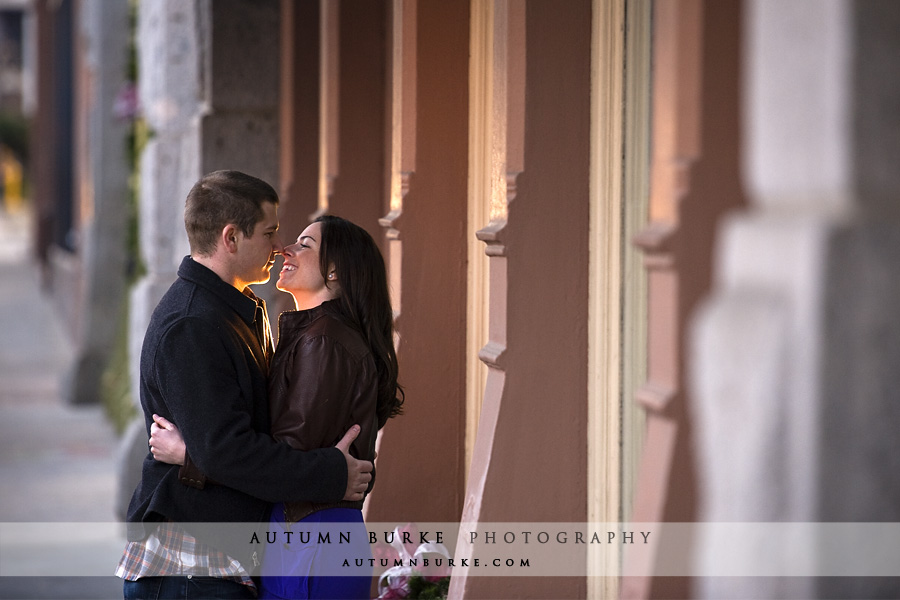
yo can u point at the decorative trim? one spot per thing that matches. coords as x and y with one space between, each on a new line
605 285
617 345
388 222
402 143
655 397
636 190
492 354
493 236
481 36
328 101
657 240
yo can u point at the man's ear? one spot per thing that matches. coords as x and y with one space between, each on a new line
228 237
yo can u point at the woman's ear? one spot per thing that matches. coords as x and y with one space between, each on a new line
332 273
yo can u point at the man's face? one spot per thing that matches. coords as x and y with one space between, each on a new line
256 254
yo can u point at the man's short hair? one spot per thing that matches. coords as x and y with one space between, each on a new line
221 198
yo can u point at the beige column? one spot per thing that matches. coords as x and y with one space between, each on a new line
212 103
617 352
329 105
480 176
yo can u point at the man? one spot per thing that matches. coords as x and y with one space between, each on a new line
203 366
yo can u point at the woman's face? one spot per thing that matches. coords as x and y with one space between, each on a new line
300 272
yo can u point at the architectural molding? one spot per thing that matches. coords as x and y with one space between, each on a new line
636 194
604 429
329 101
481 16
619 197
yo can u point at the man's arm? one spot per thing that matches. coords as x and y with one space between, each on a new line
167 446
198 378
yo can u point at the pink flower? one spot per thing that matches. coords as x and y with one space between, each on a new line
382 550
398 587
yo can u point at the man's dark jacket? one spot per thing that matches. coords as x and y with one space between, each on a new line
203 366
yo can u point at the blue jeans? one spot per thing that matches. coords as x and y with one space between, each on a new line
193 588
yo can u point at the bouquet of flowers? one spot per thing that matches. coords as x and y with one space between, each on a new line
412 578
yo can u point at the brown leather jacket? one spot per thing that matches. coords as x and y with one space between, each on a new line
322 380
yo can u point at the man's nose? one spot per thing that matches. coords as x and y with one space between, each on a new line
277 246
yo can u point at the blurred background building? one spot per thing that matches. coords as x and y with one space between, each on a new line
642 253
15 99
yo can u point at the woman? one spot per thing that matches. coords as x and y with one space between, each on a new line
334 367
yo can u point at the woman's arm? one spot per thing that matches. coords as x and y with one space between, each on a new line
167 446
166 443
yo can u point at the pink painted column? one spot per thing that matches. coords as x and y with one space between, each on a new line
358 185
694 181
530 456
420 466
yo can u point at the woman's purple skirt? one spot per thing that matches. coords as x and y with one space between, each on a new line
306 570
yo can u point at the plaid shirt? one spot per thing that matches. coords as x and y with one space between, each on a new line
170 550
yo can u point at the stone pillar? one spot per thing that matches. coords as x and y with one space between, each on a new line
209 89
169 88
104 34
239 99
795 350
238 126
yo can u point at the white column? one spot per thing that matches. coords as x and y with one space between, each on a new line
170 92
169 88
793 349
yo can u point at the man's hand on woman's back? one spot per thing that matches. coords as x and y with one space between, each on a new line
359 472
